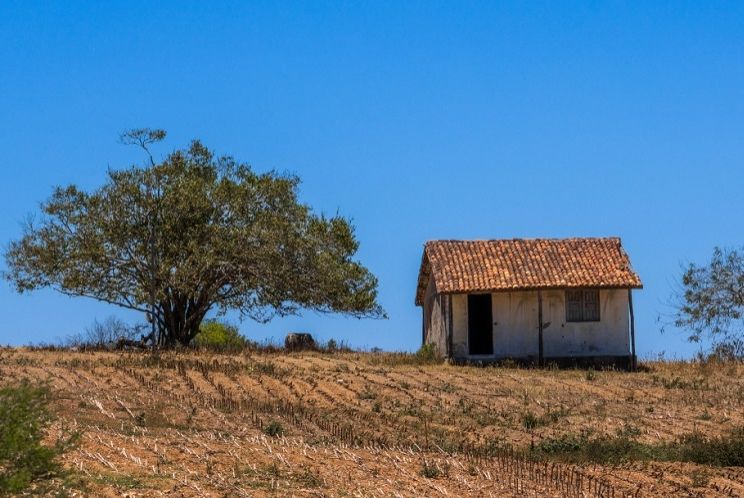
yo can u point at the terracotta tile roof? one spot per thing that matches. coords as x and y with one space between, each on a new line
519 264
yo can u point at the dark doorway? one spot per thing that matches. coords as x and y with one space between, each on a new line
480 328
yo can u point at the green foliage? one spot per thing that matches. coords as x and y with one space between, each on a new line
530 421
427 353
310 479
274 429
219 336
193 233
723 451
699 478
680 383
141 419
25 462
429 470
711 302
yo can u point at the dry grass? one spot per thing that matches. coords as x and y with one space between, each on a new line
197 424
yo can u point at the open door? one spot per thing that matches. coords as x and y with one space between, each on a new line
480 324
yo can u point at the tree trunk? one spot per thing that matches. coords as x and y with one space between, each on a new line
182 319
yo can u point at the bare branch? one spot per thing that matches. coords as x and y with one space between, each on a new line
143 138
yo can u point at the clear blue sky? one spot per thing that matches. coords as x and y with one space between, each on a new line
419 120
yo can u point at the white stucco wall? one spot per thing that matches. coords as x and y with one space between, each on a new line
515 329
459 325
434 319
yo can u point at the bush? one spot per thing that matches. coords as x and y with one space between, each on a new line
274 429
219 336
430 471
24 461
603 450
530 421
334 346
427 353
724 451
106 333
730 350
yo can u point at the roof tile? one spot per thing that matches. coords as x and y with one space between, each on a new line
461 266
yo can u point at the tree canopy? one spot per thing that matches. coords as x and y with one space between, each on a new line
193 233
711 302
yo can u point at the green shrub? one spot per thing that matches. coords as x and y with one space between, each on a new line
219 336
430 471
723 451
565 444
311 479
603 450
530 421
427 353
274 429
24 461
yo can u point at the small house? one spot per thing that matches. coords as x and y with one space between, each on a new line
530 299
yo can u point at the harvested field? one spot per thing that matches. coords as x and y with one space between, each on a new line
311 424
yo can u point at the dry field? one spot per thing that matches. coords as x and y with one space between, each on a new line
196 424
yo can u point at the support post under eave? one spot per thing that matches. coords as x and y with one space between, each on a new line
449 325
541 358
423 324
632 332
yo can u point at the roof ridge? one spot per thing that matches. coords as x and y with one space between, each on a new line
482 265
514 239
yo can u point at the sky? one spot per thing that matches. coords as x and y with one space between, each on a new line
417 120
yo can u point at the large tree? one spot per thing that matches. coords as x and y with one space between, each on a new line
193 233
710 303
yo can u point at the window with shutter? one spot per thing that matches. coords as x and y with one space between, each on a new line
591 305
582 305
574 306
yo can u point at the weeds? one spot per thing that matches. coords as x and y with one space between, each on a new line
25 462
432 471
310 479
680 383
700 478
427 354
530 421
705 416
723 451
270 369
274 429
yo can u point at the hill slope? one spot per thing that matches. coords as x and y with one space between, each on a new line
197 424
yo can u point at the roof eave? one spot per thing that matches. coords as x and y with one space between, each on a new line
545 287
